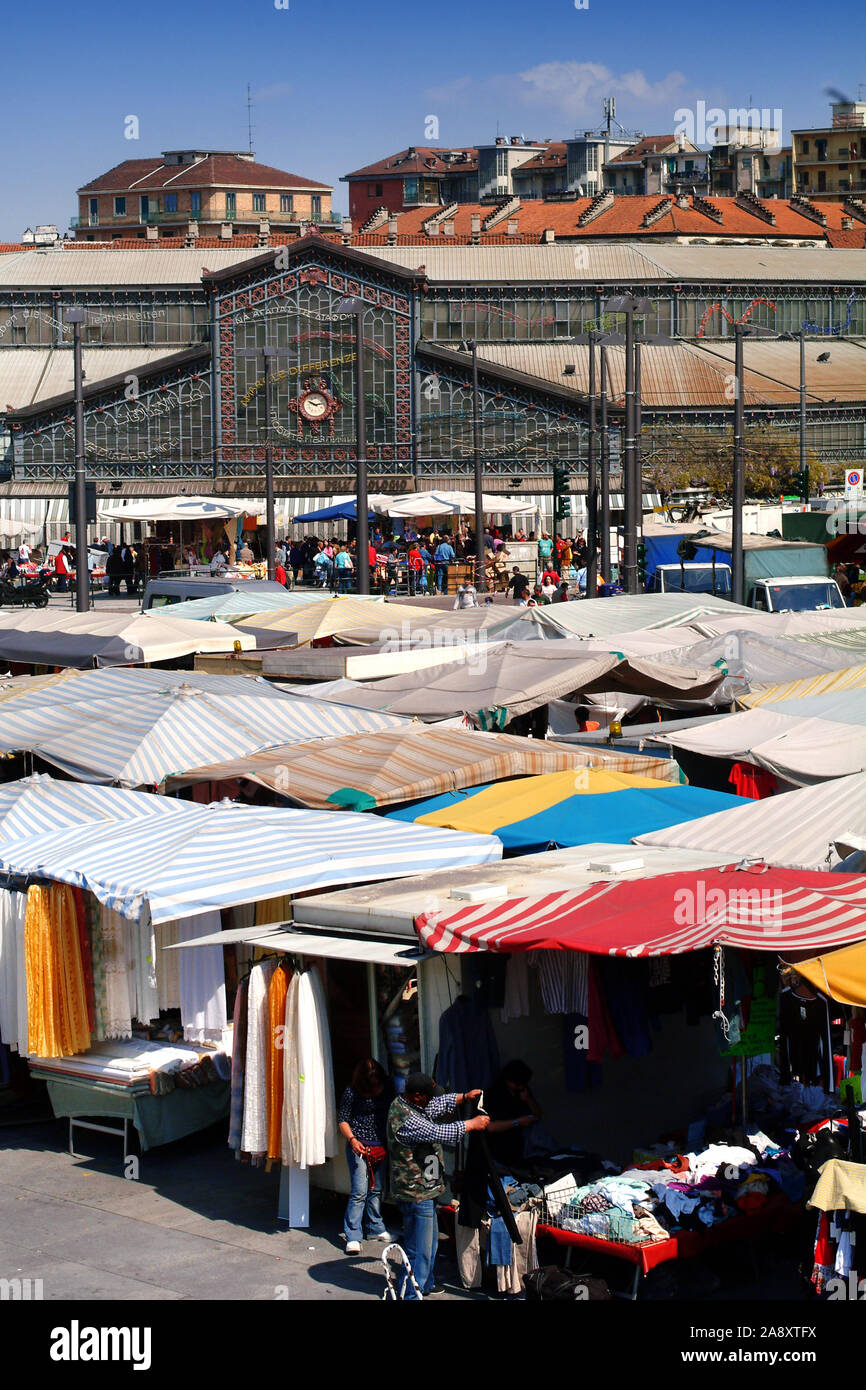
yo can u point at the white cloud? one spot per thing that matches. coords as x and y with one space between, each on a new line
275 92
575 90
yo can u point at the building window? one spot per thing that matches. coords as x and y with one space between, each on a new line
378 193
591 157
120 207
143 208
258 202
287 202
231 204
316 206
410 190
195 202
171 202
94 212
805 147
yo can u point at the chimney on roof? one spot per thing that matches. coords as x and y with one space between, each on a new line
151 232
347 231
548 236
392 231
448 227
475 223
411 153
191 234
264 231
847 224
501 140
682 198
226 231
513 227
432 228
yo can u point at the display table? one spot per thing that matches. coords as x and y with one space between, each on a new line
113 1081
777 1214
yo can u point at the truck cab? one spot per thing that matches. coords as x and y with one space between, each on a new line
798 594
692 578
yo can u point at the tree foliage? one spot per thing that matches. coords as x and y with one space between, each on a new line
681 456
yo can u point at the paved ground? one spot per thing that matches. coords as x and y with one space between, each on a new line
197 1224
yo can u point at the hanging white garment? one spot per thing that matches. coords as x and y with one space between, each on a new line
516 1003
202 981
21 975
317 1119
114 1017
12 907
167 967
291 1082
146 992
254 1136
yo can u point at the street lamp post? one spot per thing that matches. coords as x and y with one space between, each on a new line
82 569
353 307
739 480
591 485
629 305
476 467
605 470
267 354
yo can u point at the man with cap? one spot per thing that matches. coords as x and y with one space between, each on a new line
416 1133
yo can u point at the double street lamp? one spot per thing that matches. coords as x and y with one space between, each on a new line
630 305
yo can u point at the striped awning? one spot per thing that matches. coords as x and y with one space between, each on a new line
381 769
332 617
40 804
58 637
826 683
754 908
206 858
163 732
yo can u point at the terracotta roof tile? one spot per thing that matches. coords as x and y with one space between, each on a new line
427 159
216 171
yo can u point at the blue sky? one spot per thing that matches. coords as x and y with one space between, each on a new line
338 85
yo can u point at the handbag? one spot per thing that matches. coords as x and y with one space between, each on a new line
374 1154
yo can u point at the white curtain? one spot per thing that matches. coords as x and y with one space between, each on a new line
254 1137
114 1016
13 980
167 966
202 981
291 1073
143 992
309 1114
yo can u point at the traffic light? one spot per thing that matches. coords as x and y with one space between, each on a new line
801 483
641 561
561 494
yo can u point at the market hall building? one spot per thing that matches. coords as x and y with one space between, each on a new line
172 402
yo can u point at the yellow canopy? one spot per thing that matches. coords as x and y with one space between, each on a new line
508 802
847 678
841 974
331 617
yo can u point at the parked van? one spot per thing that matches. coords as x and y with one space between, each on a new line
167 590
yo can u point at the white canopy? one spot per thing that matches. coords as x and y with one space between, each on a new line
796 829
799 749
446 503
180 508
59 637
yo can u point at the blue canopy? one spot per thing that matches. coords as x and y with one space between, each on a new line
347 511
614 817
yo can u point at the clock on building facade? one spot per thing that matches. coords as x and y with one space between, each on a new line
316 405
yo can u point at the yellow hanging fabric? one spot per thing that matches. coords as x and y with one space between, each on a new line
277 990
56 993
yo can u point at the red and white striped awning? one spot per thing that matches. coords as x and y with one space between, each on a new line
752 906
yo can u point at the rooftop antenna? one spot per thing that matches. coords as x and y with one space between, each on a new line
249 118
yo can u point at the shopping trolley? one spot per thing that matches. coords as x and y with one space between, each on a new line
392 1276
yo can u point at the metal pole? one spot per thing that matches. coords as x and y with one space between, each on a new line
479 491
591 486
638 465
803 414
629 554
739 481
605 472
82 572
270 538
362 529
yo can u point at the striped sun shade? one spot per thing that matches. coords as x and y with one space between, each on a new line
212 857
755 908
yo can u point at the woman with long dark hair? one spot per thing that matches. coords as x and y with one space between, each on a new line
362 1119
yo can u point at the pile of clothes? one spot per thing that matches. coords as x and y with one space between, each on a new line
673 1192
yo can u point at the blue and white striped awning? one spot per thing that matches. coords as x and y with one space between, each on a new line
163 732
127 683
40 804
209 857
